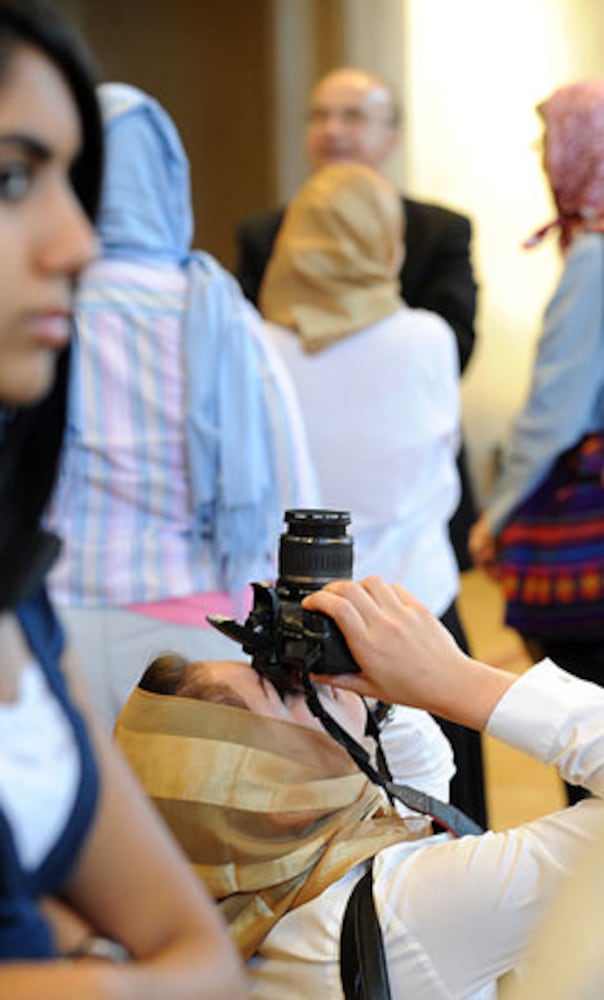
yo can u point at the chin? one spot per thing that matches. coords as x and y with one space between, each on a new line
326 161
28 386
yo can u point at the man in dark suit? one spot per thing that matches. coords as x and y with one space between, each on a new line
353 115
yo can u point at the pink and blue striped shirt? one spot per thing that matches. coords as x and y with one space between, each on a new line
123 504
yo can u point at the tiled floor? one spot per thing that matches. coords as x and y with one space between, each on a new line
518 788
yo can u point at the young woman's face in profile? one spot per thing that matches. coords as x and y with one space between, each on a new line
45 237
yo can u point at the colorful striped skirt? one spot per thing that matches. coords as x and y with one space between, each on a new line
552 550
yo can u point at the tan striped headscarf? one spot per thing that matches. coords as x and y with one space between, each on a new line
332 269
270 813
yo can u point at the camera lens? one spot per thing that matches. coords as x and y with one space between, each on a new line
314 550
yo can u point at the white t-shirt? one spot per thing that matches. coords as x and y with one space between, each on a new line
381 409
39 767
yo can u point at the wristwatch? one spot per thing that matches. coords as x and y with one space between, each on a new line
104 948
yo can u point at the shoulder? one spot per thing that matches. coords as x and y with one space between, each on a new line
432 217
422 331
203 271
117 283
587 250
41 625
202 262
261 225
421 323
583 273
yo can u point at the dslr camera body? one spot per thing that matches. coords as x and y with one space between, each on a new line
285 640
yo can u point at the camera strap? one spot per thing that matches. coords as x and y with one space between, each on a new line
445 814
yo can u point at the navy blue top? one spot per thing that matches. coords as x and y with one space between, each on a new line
24 934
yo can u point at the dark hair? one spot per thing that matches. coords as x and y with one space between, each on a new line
31 437
165 674
173 674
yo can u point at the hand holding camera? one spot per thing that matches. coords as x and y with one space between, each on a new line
406 655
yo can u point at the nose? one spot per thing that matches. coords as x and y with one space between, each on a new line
333 124
69 241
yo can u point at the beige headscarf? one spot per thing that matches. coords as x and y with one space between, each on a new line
269 813
332 270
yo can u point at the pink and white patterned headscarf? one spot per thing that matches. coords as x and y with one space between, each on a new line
574 158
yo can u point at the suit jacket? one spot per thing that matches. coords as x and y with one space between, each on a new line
436 274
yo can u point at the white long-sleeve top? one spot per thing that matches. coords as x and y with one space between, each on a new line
456 914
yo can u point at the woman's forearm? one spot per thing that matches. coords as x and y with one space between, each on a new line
470 695
181 974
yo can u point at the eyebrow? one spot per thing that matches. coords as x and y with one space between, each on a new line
34 147
218 692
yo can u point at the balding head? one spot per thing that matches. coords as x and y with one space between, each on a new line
353 115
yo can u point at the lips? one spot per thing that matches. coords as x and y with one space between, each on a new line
52 329
334 154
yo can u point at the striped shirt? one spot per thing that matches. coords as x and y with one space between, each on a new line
123 502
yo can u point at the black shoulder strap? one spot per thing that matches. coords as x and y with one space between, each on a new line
446 815
363 968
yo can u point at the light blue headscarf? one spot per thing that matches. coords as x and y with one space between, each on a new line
146 211
146 216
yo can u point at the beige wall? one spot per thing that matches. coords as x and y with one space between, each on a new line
210 64
474 70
